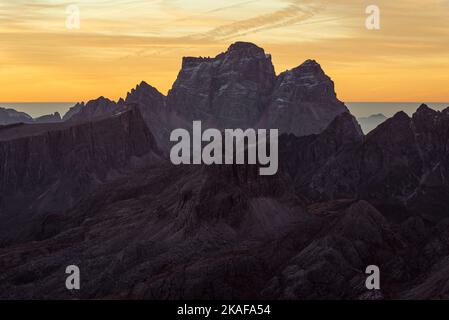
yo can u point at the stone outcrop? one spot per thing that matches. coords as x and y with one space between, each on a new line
228 91
239 89
303 101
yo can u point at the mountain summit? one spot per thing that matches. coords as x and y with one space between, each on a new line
239 88
303 101
230 90
99 191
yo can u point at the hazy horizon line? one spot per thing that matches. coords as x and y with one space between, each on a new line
349 101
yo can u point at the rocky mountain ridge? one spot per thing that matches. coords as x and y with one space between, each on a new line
236 89
99 191
51 170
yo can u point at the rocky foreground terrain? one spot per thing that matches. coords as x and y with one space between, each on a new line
98 191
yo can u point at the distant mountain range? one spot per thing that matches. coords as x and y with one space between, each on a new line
11 116
370 123
97 190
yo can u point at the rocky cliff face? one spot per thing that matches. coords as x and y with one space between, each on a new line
51 169
235 89
152 105
196 231
228 91
193 232
94 191
73 110
431 133
239 89
396 166
94 109
303 157
303 101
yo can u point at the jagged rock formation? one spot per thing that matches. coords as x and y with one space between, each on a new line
228 91
170 232
51 118
152 105
94 109
235 89
303 157
73 110
51 169
400 166
97 192
333 264
303 101
239 89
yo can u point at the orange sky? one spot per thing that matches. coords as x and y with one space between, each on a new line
121 42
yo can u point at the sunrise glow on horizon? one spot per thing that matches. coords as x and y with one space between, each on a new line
122 42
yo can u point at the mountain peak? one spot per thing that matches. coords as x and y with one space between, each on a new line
310 62
401 115
240 45
425 110
142 93
397 126
143 84
346 127
99 101
228 91
446 110
241 50
310 67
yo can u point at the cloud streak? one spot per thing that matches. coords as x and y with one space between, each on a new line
291 14
122 42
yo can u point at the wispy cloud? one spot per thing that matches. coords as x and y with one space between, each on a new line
124 41
290 14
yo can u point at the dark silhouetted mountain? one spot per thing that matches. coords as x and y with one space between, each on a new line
239 89
303 157
49 167
10 116
236 89
228 91
94 109
333 264
56 117
196 232
152 105
370 123
99 191
303 101
400 166
73 110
